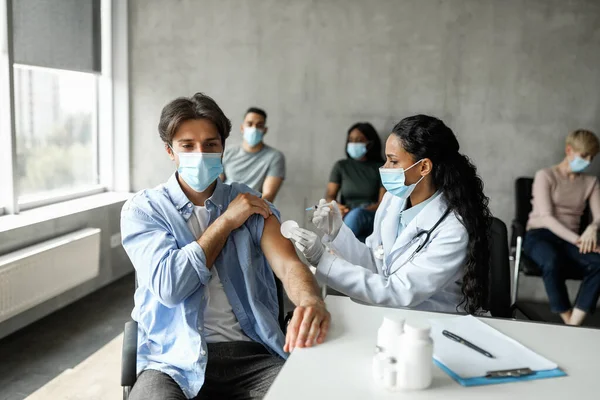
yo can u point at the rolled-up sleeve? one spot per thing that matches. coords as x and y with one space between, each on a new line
170 273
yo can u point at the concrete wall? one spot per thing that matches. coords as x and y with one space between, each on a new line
114 262
510 77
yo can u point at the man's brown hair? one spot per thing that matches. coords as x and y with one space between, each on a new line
199 106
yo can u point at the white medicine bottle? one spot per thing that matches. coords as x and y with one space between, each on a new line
415 357
388 339
388 335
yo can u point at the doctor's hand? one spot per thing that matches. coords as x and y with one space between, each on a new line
588 240
328 218
309 244
308 326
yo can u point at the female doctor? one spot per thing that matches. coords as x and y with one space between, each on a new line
429 249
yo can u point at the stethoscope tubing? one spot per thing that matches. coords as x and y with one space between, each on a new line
394 255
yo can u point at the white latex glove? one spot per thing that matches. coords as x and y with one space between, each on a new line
328 218
309 244
588 239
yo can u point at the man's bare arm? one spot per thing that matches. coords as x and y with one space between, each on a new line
271 187
311 320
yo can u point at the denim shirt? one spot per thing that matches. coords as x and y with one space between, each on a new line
172 280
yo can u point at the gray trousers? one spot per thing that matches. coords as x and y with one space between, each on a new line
235 370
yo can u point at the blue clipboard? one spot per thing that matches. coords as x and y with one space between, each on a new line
479 381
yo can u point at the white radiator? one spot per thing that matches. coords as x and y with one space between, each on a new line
37 273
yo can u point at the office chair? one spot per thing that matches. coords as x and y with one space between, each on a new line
499 295
524 264
129 355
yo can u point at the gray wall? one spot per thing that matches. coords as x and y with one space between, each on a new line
510 77
114 262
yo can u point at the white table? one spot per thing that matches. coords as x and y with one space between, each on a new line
341 367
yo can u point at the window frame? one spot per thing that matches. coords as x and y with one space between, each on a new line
111 115
8 194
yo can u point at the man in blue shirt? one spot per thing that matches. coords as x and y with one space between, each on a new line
205 253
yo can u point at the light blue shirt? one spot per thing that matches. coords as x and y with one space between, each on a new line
410 213
172 280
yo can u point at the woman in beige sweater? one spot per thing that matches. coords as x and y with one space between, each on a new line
560 196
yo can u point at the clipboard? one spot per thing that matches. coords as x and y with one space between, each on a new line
513 362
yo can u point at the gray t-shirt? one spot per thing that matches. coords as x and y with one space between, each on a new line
252 168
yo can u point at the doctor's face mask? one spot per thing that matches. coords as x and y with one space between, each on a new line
393 174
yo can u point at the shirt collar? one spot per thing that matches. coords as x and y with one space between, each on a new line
410 213
180 200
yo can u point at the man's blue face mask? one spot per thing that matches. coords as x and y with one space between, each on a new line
199 170
253 136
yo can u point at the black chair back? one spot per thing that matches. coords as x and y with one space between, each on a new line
523 187
499 295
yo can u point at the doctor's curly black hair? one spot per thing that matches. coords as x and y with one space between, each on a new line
455 175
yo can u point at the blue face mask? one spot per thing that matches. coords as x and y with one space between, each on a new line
393 179
356 150
578 164
253 136
199 170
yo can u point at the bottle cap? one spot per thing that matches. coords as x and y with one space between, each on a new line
392 324
417 330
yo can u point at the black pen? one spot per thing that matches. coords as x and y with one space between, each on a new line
460 340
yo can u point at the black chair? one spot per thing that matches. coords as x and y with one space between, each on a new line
499 295
129 358
129 354
524 264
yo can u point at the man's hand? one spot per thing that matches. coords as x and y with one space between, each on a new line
243 207
309 325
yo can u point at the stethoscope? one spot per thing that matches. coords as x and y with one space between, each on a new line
379 253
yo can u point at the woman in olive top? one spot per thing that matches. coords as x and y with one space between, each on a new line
357 179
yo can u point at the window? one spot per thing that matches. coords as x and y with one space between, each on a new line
55 131
63 72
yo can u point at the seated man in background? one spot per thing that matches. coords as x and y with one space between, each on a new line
253 162
560 195
206 302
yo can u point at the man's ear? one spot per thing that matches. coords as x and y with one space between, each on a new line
265 130
170 152
242 128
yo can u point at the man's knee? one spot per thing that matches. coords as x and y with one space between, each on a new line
155 385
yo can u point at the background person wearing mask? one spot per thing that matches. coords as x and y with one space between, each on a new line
253 162
560 195
431 187
357 178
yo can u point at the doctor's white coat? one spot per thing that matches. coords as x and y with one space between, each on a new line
430 281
